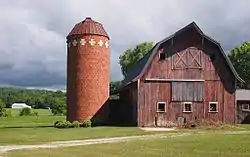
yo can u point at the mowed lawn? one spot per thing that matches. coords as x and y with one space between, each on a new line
34 130
196 145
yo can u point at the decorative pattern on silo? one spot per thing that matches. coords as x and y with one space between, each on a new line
87 70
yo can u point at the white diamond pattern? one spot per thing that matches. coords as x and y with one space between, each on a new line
74 43
92 42
83 41
106 44
100 43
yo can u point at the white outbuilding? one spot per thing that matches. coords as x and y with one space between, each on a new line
20 105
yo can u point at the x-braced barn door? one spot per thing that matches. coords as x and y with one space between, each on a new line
189 58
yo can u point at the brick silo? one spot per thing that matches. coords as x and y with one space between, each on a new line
87 71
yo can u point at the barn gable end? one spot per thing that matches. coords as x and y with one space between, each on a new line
138 70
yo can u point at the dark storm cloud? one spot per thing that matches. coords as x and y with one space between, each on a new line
33 49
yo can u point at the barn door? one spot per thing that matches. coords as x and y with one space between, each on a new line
159 120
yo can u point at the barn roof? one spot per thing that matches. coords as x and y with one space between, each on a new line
242 94
88 27
135 72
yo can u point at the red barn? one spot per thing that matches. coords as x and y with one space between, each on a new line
185 76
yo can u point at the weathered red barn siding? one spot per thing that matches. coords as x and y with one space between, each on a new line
219 84
129 100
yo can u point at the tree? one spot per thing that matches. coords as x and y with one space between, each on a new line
2 109
240 58
59 107
133 55
114 86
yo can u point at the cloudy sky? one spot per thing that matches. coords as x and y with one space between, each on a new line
32 32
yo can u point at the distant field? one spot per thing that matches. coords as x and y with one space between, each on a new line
41 112
197 145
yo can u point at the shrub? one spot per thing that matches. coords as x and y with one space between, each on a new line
59 124
56 123
25 112
75 124
8 113
87 123
62 124
2 112
67 124
2 109
59 107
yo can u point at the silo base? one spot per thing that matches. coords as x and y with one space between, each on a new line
101 117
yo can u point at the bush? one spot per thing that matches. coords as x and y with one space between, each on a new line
25 112
59 107
87 123
75 124
59 124
56 123
62 124
8 113
2 112
2 109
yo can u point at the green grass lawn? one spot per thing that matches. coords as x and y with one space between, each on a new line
197 145
39 129
34 130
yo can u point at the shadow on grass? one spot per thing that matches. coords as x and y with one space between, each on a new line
51 126
26 127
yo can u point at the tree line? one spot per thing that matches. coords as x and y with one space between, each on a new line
35 98
41 99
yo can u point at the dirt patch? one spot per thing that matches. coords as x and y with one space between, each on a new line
157 129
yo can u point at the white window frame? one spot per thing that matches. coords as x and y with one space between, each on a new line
157 106
243 109
183 107
217 106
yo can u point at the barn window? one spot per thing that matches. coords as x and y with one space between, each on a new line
212 56
187 91
245 107
187 107
161 106
162 56
213 106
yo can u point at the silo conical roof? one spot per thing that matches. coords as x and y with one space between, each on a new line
88 27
